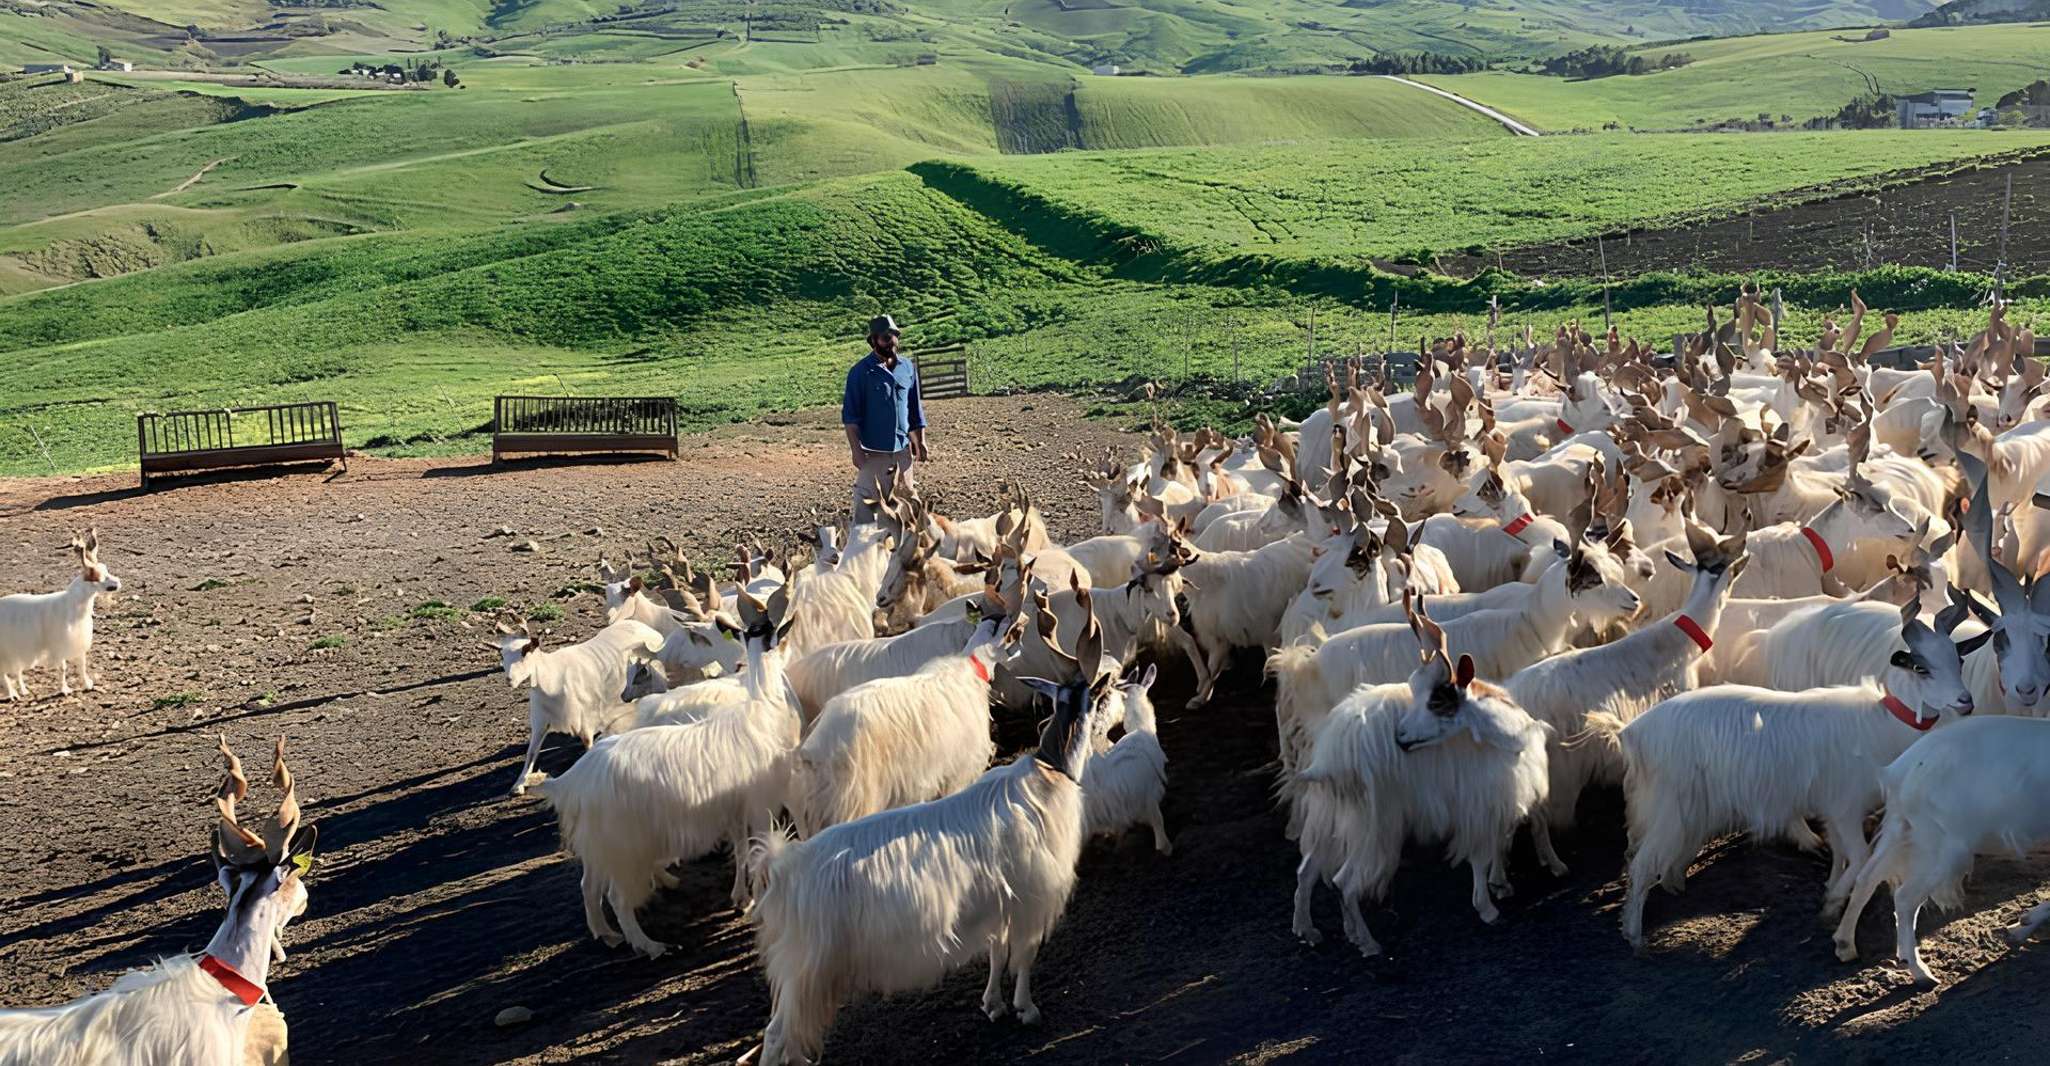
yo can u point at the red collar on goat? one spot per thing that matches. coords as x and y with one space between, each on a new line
1694 632
1908 717
1821 548
1519 525
240 987
1563 427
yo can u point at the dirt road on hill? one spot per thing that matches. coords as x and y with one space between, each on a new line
437 901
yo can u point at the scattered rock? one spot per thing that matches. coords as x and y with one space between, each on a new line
501 531
513 1016
526 546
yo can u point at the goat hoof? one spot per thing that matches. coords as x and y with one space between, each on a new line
1556 868
611 940
1166 848
1370 949
1029 1015
1491 916
1846 952
995 1010
652 950
1196 703
1638 949
2015 934
1310 936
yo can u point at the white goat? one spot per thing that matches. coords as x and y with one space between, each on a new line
1443 757
1123 786
823 673
1971 788
1734 757
896 900
1311 679
642 799
1236 599
1621 679
38 628
574 690
203 1011
896 741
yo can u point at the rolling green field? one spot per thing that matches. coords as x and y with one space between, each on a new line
675 200
1354 200
1799 75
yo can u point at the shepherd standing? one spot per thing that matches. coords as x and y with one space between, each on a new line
883 415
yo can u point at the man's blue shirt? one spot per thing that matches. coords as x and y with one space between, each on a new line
883 403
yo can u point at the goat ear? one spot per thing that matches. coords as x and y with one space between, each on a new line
1146 679
1971 644
299 850
1561 549
1678 563
1736 569
1463 676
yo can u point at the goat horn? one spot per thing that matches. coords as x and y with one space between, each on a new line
277 832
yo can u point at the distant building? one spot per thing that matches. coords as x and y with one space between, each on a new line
1105 69
1937 107
120 65
46 68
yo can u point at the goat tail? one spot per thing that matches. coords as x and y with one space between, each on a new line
763 851
1603 729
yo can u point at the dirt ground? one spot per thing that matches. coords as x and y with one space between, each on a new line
1907 225
437 901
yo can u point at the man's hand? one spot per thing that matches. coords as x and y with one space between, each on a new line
857 456
919 453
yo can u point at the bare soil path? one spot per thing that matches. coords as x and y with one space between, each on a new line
437 901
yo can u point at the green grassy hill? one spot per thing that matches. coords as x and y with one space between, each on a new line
1360 200
1065 270
1187 36
1801 76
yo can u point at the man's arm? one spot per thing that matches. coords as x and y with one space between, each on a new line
850 415
915 403
854 447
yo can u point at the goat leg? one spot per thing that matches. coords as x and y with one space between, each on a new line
993 993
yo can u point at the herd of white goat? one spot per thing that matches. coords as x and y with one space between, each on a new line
1761 589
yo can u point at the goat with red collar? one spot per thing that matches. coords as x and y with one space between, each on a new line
1734 757
204 1010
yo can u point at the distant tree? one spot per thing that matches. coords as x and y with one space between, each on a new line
448 77
191 33
1869 112
1603 61
442 39
106 57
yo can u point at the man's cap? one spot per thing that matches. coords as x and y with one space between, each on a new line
882 324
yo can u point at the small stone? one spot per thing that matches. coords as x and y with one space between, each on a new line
526 546
513 1016
501 531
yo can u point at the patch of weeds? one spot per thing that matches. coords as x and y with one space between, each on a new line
268 699
209 585
388 622
333 640
545 612
434 611
175 699
488 603
575 587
